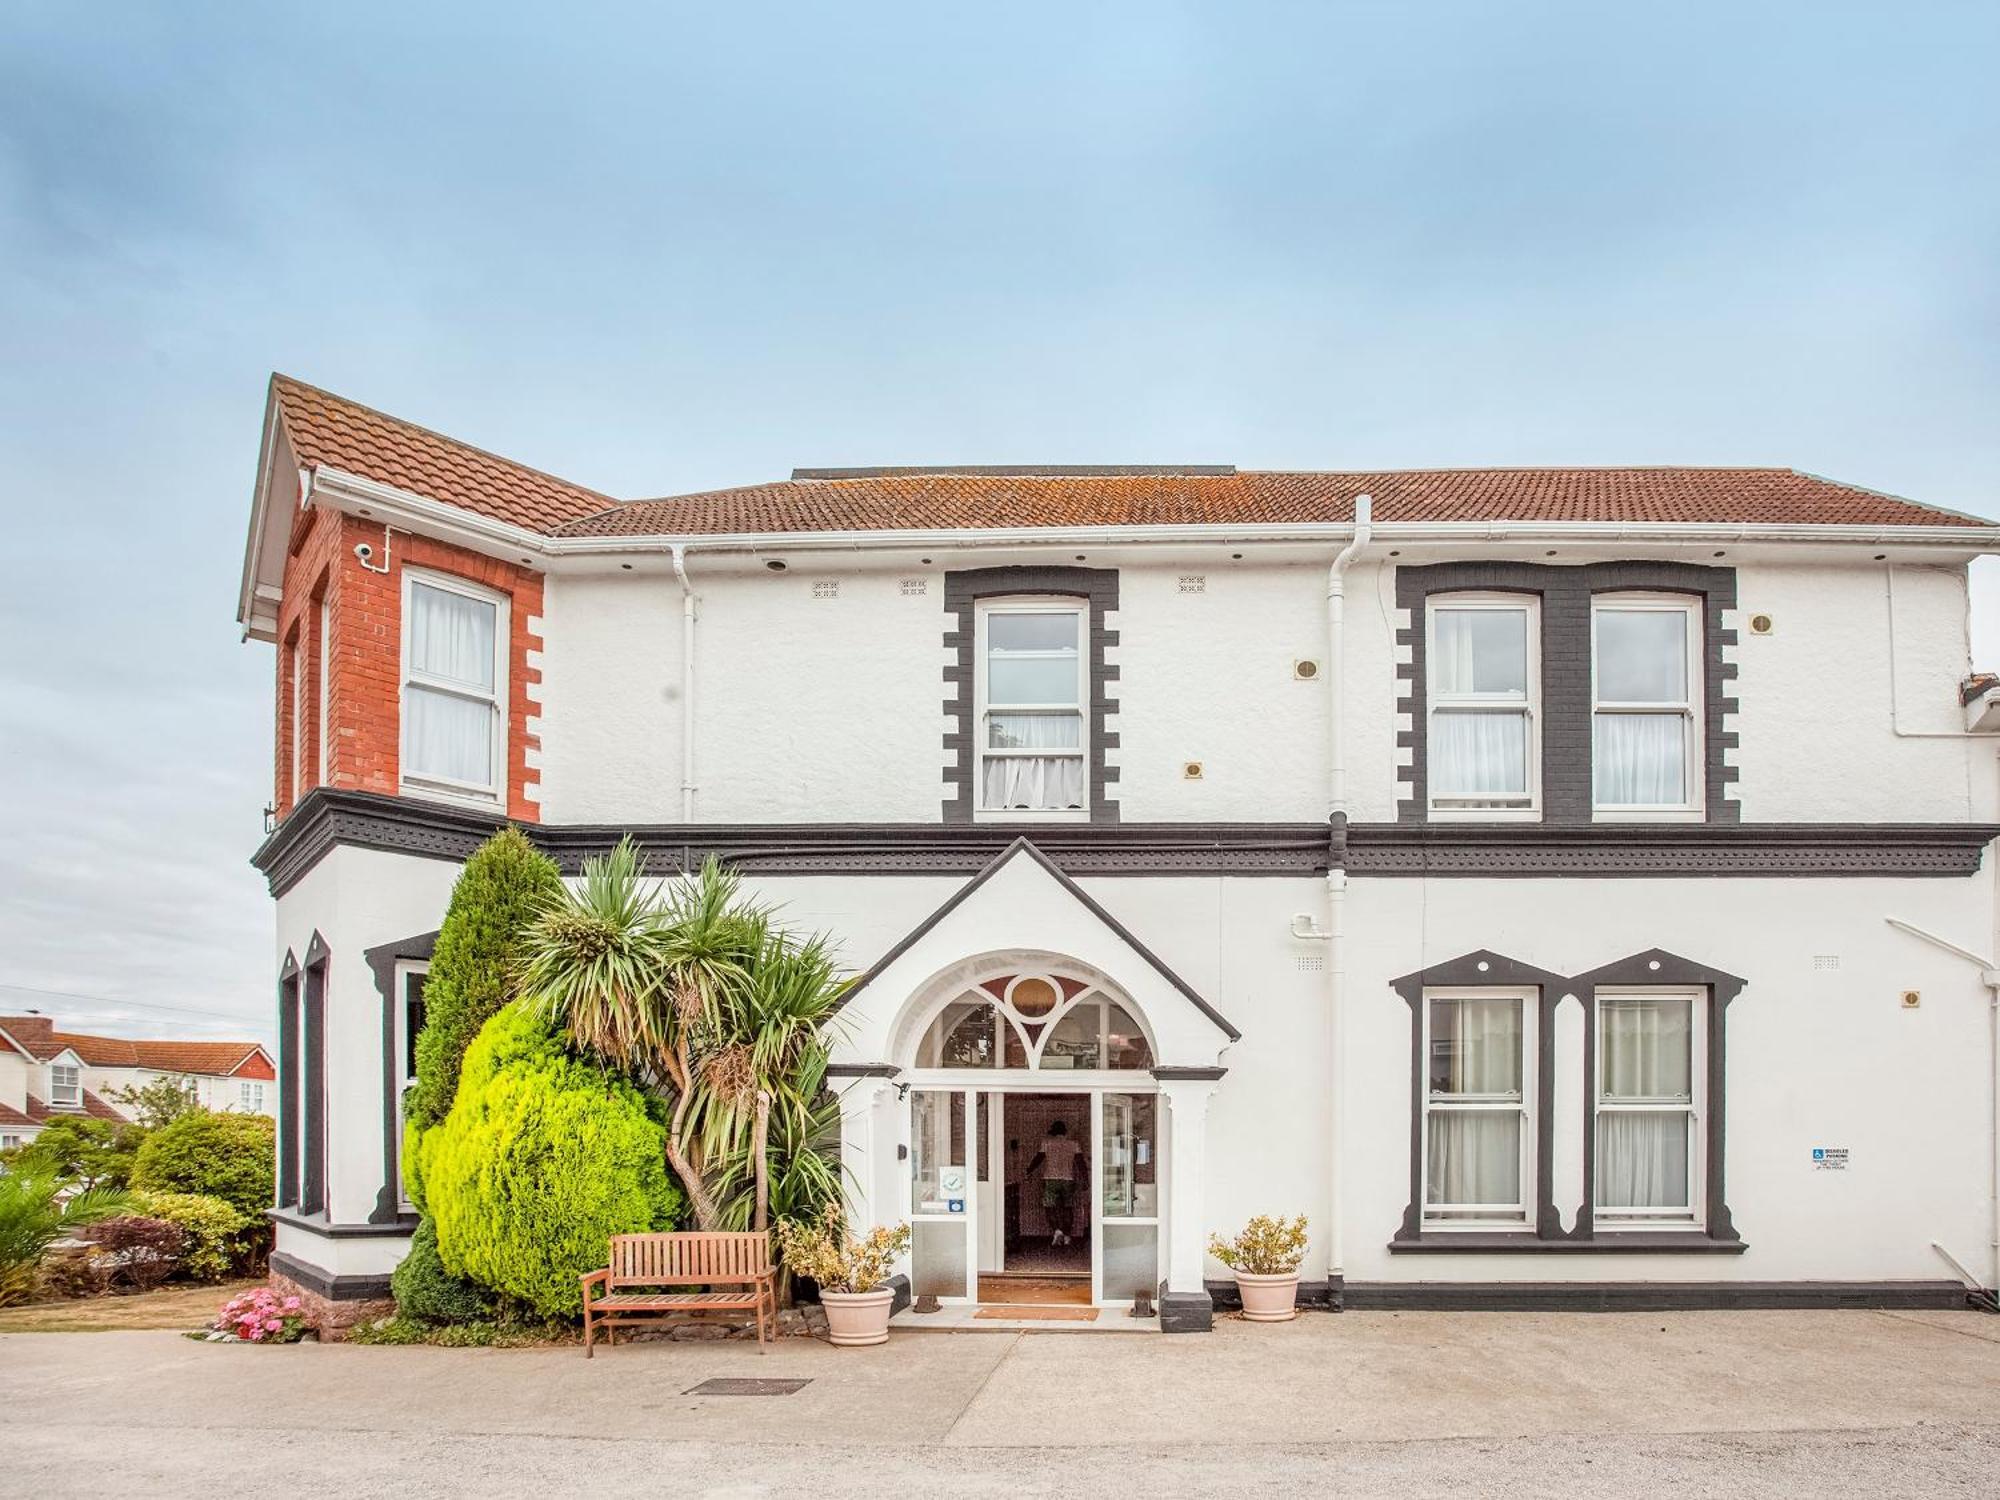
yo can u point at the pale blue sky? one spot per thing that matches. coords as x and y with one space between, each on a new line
665 246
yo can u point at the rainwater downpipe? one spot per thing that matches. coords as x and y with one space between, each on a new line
679 553
1336 871
1989 975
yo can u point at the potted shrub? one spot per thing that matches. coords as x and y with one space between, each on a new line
1265 1258
852 1273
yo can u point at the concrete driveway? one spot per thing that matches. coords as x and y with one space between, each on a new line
1363 1403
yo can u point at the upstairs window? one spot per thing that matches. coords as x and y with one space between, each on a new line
298 714
454 677
65 1084
1485 685
1031 687
1645 662
250 1096
1477 1113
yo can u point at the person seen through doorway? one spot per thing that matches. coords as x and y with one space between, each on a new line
1058 1160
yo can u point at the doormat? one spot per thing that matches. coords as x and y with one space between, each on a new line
1017 1313
747 1387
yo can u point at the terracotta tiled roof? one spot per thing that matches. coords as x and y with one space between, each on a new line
93 1107
12 1116
342 434
39 1036
900 500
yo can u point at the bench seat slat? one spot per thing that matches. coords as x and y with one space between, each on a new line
672 1301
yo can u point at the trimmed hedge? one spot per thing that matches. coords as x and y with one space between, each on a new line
218 1235
425 1290
542 1158
227 1156
498 892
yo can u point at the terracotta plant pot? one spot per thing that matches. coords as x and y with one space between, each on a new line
858 1317
1269 1299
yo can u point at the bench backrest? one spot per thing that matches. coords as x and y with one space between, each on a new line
667 1259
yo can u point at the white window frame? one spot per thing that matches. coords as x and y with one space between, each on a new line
299 713
325 776
75 1096
250 1096
1531 809
444 787
405 1075
1483 1217
984 612
9 1142
1613 1217
1695 757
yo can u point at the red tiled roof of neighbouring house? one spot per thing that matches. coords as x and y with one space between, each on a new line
894 500
12 1116
329 430
39 1036
93 1108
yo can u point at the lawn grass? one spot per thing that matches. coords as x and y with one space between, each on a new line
177 1307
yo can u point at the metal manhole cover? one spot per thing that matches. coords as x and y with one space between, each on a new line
747 1387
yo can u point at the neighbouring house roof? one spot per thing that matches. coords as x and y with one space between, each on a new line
40 1113
38 1036
12 1116
329 430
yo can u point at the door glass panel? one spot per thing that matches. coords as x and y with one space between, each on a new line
1130 1174
938 1262
1131 1260
941 1192
1075 1042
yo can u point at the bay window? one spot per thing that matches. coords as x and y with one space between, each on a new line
1645 730
1478 1116
454 687
1030 722
1649 1061
1485 687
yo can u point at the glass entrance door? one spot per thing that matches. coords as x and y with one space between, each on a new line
1127 1201
944 1210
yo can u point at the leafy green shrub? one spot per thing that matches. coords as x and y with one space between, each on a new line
542 1158
396 1330
80 1153
427 1291
500 890
227 1156
141 1252
1266 1247
219 1235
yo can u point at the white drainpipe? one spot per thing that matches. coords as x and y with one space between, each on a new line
1336 878
679 553
1989 975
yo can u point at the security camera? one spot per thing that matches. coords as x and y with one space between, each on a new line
363 551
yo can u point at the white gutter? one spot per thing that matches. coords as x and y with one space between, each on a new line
1989 975
1336 876
679 555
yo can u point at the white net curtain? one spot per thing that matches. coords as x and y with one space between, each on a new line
448 703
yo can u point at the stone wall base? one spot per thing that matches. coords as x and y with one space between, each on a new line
333 1316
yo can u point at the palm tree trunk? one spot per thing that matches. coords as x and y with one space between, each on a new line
759 1135
705 1215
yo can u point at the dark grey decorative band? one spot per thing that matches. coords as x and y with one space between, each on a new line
382 962
862 1070
289 1043
1226 1296
1654 850
1636 1242
313 1195
1645 1296
364 820
325 1284
1190 1075
1566 594
317 1224
963 589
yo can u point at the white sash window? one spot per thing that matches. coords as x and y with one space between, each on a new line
1645 724
1031 694
1478 1113
1649 1070
1483 748
454 687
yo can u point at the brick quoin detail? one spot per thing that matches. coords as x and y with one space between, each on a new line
364 618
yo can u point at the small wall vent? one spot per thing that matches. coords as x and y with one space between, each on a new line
1825 961
915 588
826 588
1194 583
1310 963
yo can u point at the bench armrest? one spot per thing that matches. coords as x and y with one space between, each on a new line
595 1278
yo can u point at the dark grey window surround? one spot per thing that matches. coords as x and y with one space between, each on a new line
288 1083
1566 594
313 1193
1718 1235
382 962
963 589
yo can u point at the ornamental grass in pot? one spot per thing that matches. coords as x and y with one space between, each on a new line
852 1273
1265 1258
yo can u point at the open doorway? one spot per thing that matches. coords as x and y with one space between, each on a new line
1045 1152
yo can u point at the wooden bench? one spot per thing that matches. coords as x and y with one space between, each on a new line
659 1261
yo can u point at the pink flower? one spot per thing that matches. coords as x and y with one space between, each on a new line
272 1325
256 1334
291 1304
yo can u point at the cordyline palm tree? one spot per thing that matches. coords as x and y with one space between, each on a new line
33 1216
697 994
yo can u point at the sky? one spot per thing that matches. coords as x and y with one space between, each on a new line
661 247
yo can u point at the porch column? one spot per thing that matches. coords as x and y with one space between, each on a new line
1185 1306
863 1141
